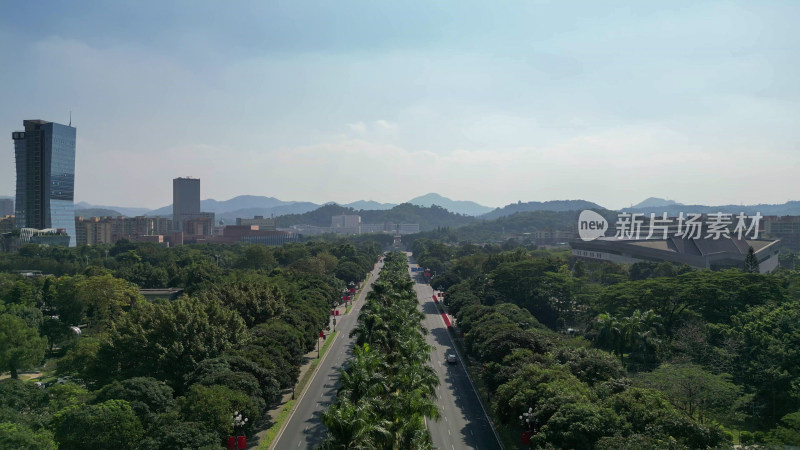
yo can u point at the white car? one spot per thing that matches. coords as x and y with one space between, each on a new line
451 358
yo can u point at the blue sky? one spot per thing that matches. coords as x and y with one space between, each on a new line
487 101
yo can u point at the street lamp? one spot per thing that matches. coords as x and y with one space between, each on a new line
528 423
237 442
238 421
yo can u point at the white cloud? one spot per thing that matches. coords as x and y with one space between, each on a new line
385 125
357 127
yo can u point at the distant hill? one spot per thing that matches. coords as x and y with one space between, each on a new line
236 203
791 208
427 218
523 222
553 205
654 202
468 208
97 212
119 210
369 205
229 217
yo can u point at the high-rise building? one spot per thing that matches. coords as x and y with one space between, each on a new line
185 200
45 157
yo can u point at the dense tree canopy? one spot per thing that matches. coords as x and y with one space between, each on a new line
161 374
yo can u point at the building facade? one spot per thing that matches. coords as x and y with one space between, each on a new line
260 221
185 200
726 252
346 221
785 228
109 230
45 162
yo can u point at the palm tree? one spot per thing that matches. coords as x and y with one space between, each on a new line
353 426
388 389
642 333
610 334
364 376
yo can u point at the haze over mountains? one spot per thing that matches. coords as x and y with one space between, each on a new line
253 205
660 206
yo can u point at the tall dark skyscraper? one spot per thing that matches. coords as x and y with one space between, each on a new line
45 157
185 200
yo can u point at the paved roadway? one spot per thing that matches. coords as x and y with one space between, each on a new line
463 423
304 429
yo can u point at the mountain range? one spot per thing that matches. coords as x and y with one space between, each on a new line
552 205
252 205
660 206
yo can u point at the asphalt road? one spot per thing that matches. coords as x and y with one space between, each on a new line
304 429
463 423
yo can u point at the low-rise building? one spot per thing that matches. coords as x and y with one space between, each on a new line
259 221
785 228
109 230
7 224
346 221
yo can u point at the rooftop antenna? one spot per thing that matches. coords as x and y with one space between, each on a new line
70 117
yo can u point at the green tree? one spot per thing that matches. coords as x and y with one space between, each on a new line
580 425
18 436
55 331
353 426
256 257
109 425
214 406
787 432
349 272
698 393
63 396
105 297
67 302
650 414
173 433
168 340
147 396
22 403
751 262
255 298
21 347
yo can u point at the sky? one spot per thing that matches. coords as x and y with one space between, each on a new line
495 102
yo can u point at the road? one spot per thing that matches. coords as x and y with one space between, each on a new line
304 430
463 423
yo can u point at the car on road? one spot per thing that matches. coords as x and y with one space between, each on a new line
451 358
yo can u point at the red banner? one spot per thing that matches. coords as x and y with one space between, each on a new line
242 442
